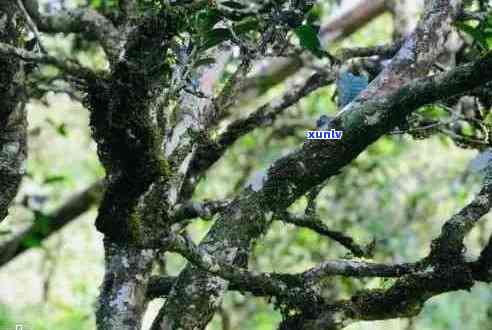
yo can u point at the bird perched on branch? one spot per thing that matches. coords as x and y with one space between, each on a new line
323 122
350 82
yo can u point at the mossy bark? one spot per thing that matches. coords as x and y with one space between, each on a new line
13 122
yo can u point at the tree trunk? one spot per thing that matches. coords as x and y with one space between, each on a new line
122 302
12 115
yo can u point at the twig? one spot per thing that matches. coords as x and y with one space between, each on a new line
313 223
68 66
32 26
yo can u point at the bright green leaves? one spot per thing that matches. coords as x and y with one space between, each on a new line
433 112
481 33
102 3
205 20
308 32
314 14
105 6
215 37
204 61
52 179
210 37
60 128
308 39
41 228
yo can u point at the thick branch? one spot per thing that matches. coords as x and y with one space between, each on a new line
123 300
349 22
274 284
482 268
450 243
383 51
197 210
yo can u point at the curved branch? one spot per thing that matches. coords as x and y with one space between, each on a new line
68 66
350 21
315 224
85 21
275 284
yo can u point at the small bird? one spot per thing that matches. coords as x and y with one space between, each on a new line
323 122
350 83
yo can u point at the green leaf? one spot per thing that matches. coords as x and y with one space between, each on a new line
433 112
60 128
476 33
215 37
488 37
31 242
488 119
466 129
40 229
54 179
42 223
204 61
206 19
245 25
308 38
314 14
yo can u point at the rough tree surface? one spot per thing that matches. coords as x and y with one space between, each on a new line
183 81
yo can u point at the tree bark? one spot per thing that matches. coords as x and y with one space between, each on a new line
13 122
123 301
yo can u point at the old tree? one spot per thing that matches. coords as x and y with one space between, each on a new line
164 109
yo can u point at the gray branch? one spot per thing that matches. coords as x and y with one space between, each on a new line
280 285
315 224
68 66
85 21
197 210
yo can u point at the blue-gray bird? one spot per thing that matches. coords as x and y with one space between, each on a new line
349 85
323 122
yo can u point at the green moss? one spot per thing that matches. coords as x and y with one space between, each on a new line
165 168
135 226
